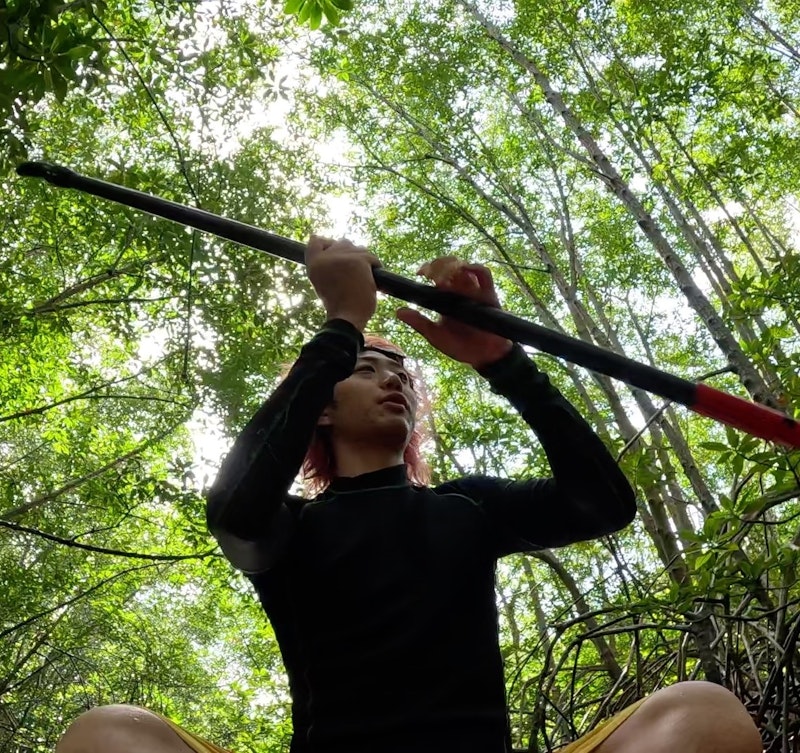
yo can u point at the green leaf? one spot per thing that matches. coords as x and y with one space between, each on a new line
718 446
80 52
48 79
305 10
292 6
61 39
752 505
63 65
316 16
703 560
331 13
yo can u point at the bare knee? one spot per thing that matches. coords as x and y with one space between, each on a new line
691 717
699 696
710 715
119 728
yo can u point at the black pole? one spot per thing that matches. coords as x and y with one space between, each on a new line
751 417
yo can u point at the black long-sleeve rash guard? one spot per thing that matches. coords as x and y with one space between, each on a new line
381 594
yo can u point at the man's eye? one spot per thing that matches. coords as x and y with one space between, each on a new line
365 367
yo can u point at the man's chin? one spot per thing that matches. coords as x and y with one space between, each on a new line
394 430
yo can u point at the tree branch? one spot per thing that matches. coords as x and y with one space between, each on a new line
103 550
69 486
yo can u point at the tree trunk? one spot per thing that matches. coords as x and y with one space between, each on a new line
697 300
607 657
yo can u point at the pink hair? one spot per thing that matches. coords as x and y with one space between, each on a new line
319 465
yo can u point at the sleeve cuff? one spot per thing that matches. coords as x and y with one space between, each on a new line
516 377
507 366
335 347
343 328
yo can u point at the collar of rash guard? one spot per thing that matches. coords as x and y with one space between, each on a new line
395 475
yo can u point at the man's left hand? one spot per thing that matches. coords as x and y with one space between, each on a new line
455 339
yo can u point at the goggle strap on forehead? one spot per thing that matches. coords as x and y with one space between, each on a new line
393 354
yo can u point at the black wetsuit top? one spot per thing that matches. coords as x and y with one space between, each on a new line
381 594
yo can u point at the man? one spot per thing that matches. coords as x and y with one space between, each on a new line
380 590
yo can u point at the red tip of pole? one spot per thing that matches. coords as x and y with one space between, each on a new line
753 418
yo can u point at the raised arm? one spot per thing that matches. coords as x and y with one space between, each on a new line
587 495
246 506
246 509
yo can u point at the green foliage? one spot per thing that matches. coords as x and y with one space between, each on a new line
311 12
112 590
132 351
47 47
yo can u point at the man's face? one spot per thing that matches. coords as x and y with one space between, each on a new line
376 403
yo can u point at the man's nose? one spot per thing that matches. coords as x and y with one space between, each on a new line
392 379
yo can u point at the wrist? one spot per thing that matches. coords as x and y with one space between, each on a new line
488 359
359 321
344 328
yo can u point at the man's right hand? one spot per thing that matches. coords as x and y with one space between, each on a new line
341 274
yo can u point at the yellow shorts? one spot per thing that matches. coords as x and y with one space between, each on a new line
586 744
591 740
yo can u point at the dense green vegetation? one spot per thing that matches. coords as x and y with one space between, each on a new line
628 171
